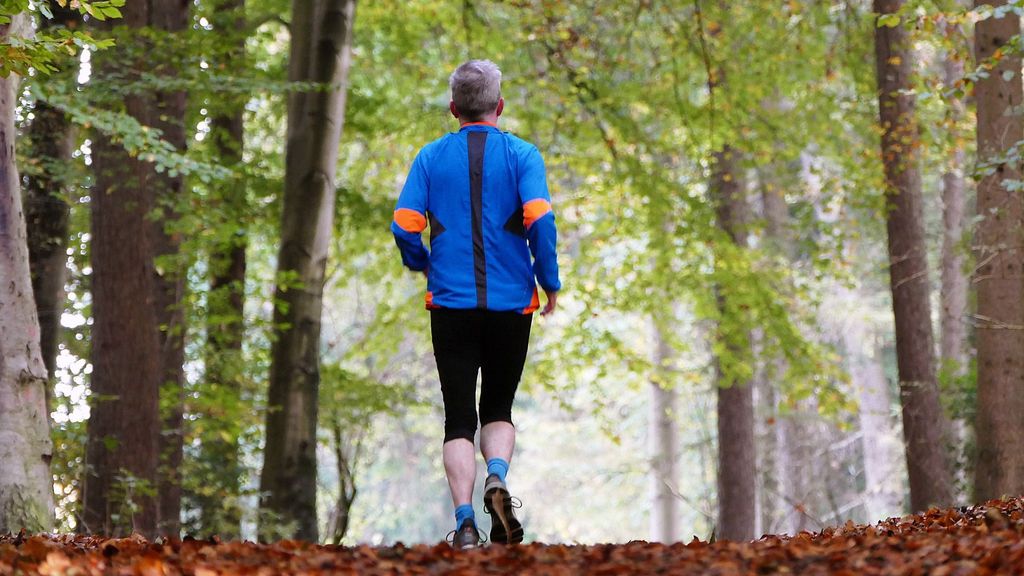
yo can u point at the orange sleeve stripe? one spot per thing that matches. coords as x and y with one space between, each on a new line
410 220
534 209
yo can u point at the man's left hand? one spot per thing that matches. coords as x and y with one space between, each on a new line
552 303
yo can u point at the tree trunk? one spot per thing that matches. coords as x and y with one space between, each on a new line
765 400
222 514
924 424
53 140
953 341
346 454
881 446
168 115
999 278
321 52
26 488
737 470
664 443
132 468
776 454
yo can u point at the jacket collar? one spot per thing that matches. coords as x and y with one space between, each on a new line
478 126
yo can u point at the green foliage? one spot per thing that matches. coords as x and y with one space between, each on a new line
353 400
23 52
888 20
143 142
126 495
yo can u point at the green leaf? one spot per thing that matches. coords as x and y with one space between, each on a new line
889 20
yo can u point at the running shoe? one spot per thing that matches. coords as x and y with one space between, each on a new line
465 538
505 528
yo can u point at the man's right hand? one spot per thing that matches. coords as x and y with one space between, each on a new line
552 303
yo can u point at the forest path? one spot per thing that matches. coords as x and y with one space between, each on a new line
984 539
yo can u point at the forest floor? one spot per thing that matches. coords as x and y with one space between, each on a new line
985 539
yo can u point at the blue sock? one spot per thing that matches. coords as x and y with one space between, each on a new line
498 467
464 512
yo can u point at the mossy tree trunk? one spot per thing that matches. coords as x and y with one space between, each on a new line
26 488
53 140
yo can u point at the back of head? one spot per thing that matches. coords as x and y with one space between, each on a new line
476 89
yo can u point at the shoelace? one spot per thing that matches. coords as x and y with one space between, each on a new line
515 502
481 539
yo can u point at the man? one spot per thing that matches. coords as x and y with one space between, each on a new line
485 196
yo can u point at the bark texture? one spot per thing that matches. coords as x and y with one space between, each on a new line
26 488
53 140
924 424
999 277
664 443
133 450
321 52
737 461
221 513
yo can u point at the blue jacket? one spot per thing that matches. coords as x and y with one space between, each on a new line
485 196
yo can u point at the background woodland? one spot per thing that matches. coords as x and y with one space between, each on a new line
790 241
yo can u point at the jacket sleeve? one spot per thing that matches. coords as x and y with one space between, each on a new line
539 219
410 217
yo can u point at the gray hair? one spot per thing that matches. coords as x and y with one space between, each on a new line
476 88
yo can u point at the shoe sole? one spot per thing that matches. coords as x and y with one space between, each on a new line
505 528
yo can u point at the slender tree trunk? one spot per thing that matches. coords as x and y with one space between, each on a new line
222 513
53 140
924 424
664 443
26 488
953 341
321 52
883 451
999 278
132 467
765 401
775 455
346 454
168 115
737 469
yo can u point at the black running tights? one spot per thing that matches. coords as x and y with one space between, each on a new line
467 342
